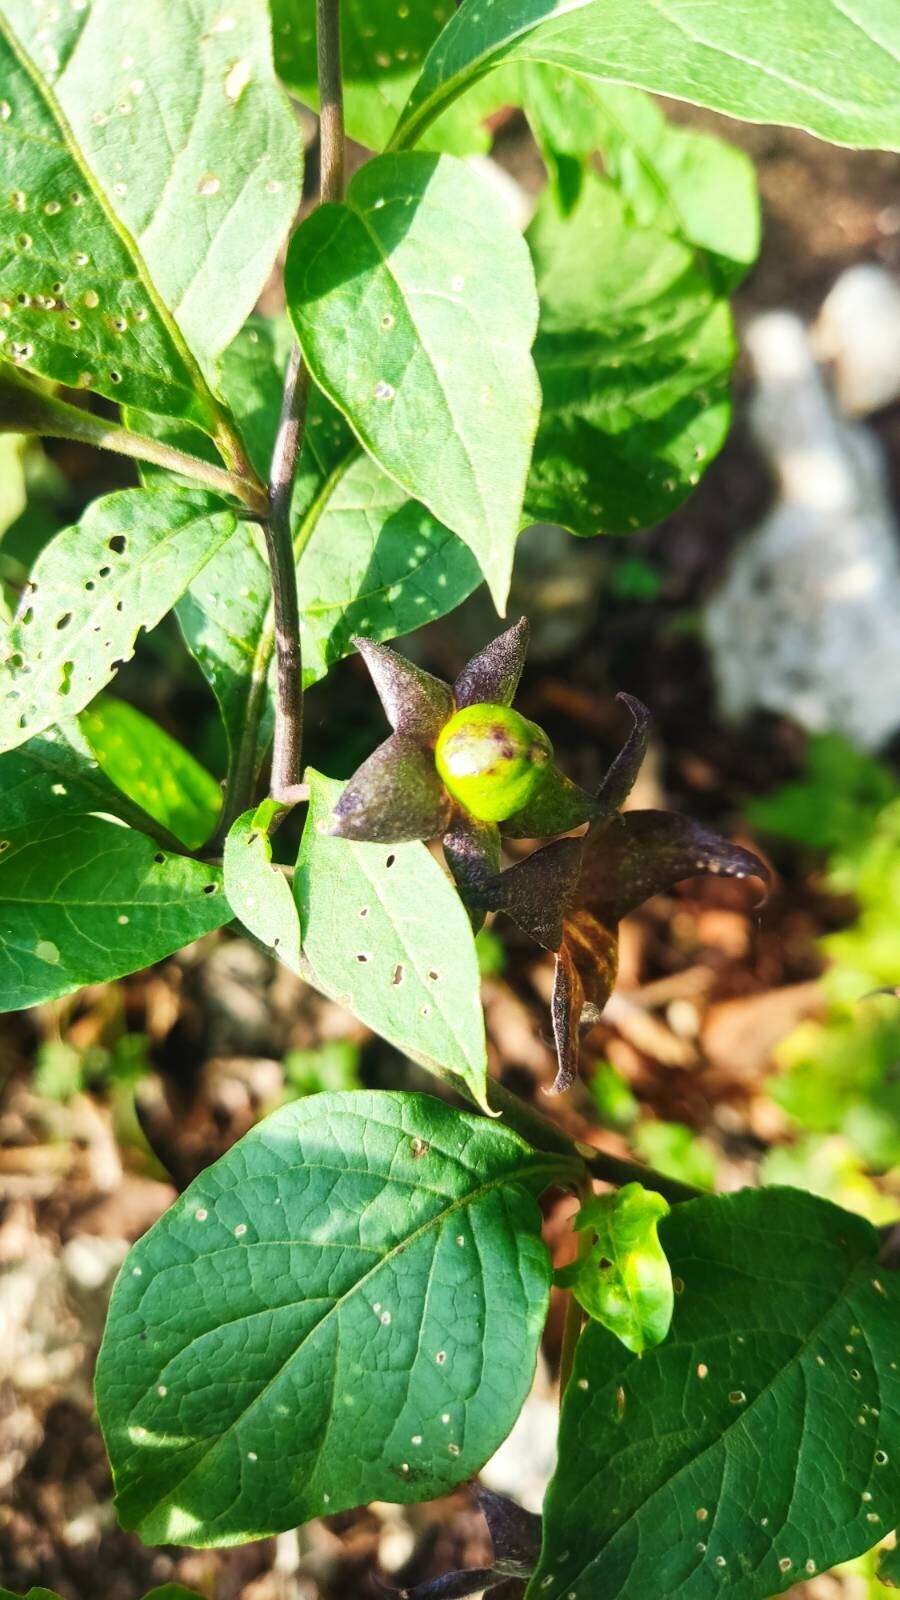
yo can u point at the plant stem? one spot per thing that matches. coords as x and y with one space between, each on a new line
574 1317
288 743
615 1170
544 1135
331 100
285 785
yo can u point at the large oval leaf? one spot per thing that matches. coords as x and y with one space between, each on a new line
387 935
174 115
816 64
93 588
83 900
415 306
761 1442
346 1307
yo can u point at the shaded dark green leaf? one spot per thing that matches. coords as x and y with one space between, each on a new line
760 1443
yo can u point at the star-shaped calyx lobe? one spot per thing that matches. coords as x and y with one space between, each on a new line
571 895
459 764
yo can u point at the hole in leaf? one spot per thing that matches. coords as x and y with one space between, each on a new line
390 861
209 888
118 541
159 857
64 620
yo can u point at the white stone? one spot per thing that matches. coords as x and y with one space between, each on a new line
858 333
805 622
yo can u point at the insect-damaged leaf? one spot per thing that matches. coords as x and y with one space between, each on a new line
760 1443
624 1281
169 124
94 587
83 900
388 936
363 1283
415 306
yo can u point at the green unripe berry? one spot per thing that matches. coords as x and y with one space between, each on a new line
492 760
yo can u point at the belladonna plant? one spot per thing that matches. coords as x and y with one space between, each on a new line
461 764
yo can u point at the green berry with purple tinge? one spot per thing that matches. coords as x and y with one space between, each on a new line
492 760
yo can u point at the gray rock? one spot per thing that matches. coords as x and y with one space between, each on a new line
806 620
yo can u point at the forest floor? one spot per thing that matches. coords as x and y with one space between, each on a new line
708 986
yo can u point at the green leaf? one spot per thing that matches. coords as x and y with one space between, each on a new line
414 305
345 1308
624 1281
57 773
370 559
226 618
83 900
374 562
259 895
388 936
383 45
815 64
686 183
76 302
153 769
634 356
33 1594
761 1442
93 588
170 121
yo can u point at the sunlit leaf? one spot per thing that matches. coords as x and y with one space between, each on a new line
153 769
414 303
168 119
93 589
362 1282
814 64
387 934
624 1281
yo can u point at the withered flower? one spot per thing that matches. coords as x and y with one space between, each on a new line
460 764
571 895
